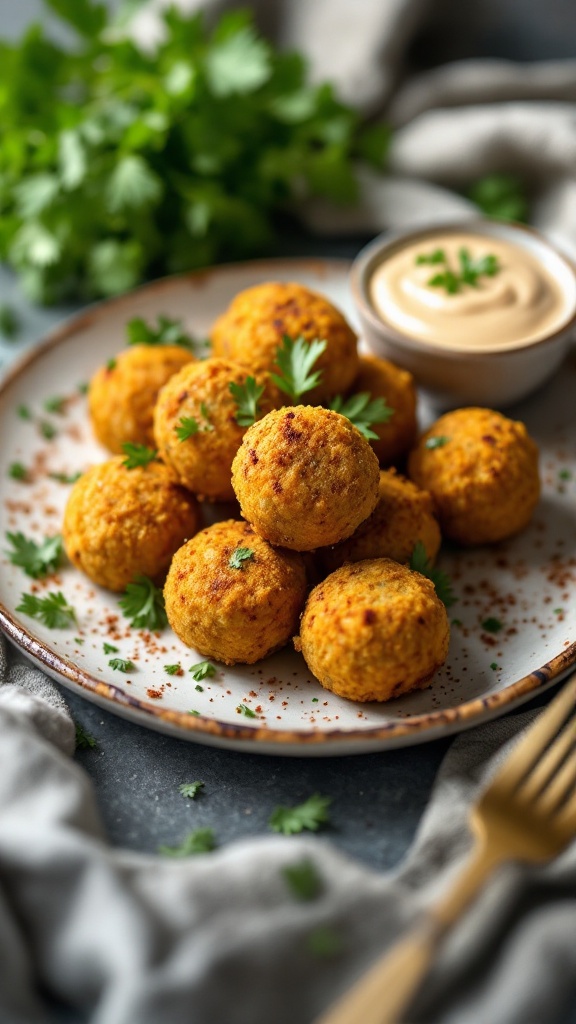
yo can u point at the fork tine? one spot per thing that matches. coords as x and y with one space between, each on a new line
560 786
538 736
548 764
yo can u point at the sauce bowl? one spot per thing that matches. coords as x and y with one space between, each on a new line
453 374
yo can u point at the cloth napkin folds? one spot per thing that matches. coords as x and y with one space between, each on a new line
219 938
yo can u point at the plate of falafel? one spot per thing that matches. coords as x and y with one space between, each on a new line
271 540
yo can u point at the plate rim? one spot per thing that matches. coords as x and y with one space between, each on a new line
435 723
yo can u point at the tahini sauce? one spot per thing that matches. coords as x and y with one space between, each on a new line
521 303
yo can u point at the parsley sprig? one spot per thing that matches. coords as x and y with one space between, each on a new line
420 562
36 559
53 610
200 841
362 410
202 670
468 272
137 455
246 396
190 789
239 556
303 879
166 332
309 815
121 664
143 604
295 359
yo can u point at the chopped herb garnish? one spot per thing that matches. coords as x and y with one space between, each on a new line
456 622
143 604
438 441
194 712
36 559
65 478
565 474
202 670
17 471
362 410
558 611
324 942
137 455
186 427
431 258
243 709
122 665
24 412
190 789
166 332
173 670
55 405
78 640
111 364
314 700
83 388
239 556
295 360
9 322
84 740
247 396
199 688
206 414
109 648
47 430
200 841
309 815
303 879
469 270
53 610
491 625
419 562
494 666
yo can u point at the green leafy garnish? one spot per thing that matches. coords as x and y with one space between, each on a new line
494 666
122 665
166 332
47 430
24 412
246 396
303 879
186 427
173 670
65 478
53 611
17 471
491 625
137 455
243 709
309 815
468 272
55 405
84 740
420 562
9 322
143 604
190 789
111 364
36 559
199 688
324 942
202 670
200 841
438 441
78 640
564 474
194 712
109 648
295 360
239 556
431 258
362 410
502 196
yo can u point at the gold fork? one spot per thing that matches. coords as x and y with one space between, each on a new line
527 813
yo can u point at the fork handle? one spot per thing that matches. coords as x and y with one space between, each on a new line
384 992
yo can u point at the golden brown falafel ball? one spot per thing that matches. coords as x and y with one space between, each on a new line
374 630
120 523
232 596
305 477
254 325
122 395
403 517
383 379
482 471
199 398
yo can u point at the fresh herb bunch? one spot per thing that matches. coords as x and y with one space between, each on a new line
119 164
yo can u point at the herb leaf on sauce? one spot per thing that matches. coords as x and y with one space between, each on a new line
362 410
36 559
419 562
53 610
309 815
467 273
295 359
143 604
246 396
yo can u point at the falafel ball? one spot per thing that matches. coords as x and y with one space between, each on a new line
195 425
122 394
305 477
374 630
482 471
120 523
232 596
383 379
402 518
257 320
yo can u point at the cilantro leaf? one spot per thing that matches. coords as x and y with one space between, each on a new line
303 879
166 332
137 455
202 670
362 410
186 427
295 360
419 562
246 396
200 841
309 815
143 604
36 559
190 789
84 740
53 611
239 556
122 665
239 63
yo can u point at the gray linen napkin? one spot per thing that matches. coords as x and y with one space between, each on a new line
133 939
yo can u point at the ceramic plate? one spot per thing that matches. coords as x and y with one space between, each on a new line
527 586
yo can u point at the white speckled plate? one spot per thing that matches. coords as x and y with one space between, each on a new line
528 584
